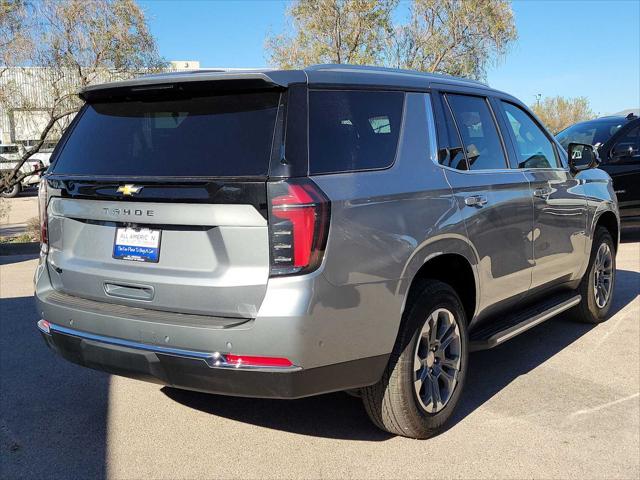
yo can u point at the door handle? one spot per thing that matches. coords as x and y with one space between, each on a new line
475 201
542 192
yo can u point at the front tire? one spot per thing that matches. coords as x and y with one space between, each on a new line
597 285
424 378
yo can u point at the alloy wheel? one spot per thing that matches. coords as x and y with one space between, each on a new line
437 360
603 275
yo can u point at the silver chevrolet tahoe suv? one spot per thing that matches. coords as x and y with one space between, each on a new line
291 233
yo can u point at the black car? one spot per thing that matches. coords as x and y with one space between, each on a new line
618 141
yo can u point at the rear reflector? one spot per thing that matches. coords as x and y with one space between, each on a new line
253 361
44 326
298 226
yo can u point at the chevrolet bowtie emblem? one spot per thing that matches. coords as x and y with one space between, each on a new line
129 189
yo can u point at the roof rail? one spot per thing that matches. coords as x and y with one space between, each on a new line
372 68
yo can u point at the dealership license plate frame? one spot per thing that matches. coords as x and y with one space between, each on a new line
145 248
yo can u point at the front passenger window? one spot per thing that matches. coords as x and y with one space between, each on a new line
533 147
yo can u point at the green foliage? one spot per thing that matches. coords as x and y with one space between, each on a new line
457 37
558 113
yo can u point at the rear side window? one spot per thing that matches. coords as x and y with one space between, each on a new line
223 135
478 130
628 146
353 130
533 148
452 155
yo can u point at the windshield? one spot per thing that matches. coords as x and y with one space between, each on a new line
212 136
591 133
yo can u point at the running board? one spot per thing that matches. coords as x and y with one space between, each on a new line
500 331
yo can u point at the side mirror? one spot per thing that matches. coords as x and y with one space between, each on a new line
582 157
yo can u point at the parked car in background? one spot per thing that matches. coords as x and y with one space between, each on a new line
9 158
291 233
617 139
44 153
11 152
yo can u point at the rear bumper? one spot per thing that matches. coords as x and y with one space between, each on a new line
194 370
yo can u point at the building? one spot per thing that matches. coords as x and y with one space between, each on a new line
27 93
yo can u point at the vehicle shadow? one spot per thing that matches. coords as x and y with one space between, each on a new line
9 259
335 415
29 192
340 416
53 414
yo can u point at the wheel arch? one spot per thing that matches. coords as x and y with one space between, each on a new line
454 265
608 220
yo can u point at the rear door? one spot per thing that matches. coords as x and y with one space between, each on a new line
560 209
622 163
160 202
494 200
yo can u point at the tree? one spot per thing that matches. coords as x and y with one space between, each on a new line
457 37
60 47
333 31
558 113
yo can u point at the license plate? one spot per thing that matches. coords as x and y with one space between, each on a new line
137 244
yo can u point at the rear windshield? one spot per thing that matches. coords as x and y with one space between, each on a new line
353 130
223 135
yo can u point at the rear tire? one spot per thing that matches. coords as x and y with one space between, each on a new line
11 192
598 284
425 376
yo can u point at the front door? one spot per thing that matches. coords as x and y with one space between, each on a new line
560 209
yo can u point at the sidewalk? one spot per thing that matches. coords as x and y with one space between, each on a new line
23 207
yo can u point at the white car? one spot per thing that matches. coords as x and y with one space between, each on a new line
10 154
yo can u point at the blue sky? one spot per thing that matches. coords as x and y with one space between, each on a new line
570 48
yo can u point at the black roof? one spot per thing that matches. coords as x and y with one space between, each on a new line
316 75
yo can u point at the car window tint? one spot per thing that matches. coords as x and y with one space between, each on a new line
533 147
478 131
173 136
353 130
592 133
452 153
629 144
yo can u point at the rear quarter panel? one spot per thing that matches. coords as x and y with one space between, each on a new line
600 197
384 226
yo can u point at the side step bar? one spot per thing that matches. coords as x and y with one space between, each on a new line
499 332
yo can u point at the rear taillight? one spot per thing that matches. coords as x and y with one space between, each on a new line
298 226
42 210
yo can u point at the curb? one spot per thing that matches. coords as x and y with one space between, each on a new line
19 248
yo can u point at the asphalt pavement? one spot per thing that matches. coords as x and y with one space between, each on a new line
560 401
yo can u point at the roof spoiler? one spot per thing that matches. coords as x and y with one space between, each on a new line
190 83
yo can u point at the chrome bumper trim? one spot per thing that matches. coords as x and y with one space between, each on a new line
212 359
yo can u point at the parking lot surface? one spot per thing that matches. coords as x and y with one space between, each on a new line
560 401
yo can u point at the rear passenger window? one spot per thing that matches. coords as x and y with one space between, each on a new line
478 131
353 130
452 155
533 147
